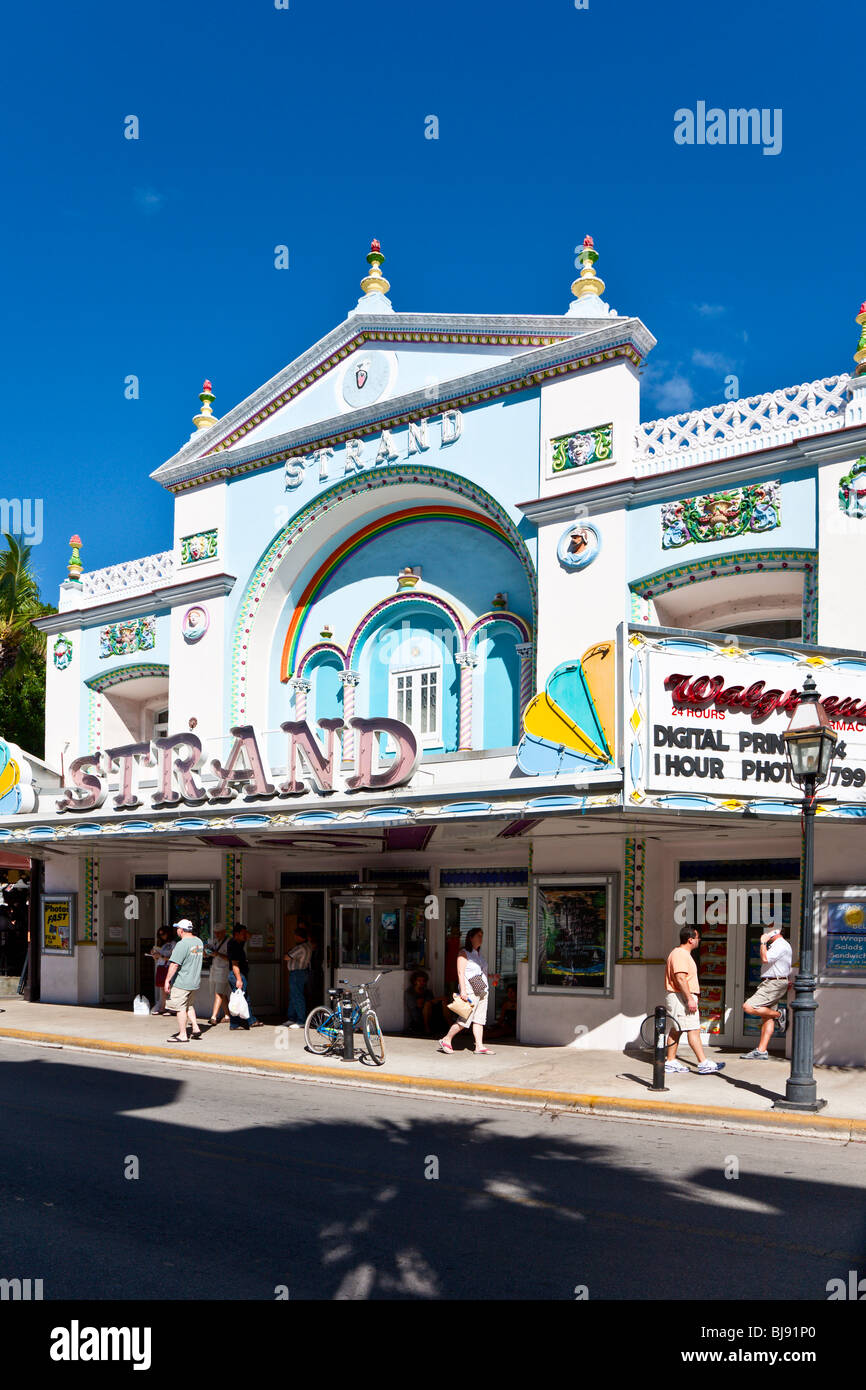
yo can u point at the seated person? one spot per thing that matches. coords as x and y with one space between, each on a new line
422 1008
506 1023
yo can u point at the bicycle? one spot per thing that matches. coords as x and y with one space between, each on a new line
323 1030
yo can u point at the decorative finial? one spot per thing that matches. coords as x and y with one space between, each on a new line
75 566
327 632
206 418
587 282
860 354
408 577
499 601
375 282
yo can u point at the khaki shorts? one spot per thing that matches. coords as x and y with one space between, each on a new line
686 1023
179 999
769 993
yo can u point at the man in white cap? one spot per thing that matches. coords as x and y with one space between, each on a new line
768 1001
182 980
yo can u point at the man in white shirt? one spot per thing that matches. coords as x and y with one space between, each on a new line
767 1003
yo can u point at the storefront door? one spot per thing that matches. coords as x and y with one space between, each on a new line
306 907
128 928
511 947
504 919
729 961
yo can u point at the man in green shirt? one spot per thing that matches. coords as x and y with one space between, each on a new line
182 980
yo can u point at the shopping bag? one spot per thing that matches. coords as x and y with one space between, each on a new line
238 1006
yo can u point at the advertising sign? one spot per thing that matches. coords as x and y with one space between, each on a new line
708 720
842 914
58 923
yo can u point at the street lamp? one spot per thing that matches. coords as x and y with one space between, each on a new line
810 743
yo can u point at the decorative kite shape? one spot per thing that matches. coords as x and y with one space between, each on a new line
570 726
17 793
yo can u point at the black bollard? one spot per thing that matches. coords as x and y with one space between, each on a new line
659 1050
346 1011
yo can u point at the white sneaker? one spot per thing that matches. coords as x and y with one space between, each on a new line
294 1025
706 1067
675 1066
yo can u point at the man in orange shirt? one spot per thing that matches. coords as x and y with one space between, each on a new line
682 996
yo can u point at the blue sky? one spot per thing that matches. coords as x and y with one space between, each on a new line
305 127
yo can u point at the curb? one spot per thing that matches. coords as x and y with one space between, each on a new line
813 1126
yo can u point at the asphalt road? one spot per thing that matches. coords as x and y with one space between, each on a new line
246 1184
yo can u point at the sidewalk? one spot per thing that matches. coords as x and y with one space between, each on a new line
609 1083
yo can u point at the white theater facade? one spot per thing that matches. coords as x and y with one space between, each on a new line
447 637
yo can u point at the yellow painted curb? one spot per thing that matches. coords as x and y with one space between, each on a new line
612 1105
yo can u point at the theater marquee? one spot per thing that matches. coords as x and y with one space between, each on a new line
705 720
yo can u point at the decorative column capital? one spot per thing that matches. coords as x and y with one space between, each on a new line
350 678
524 649
300 686
466 661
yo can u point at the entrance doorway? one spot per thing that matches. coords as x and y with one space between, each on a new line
503 916
305 908
731 918
128 923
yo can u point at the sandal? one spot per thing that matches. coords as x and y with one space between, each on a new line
258 1024
480 1051
196 1036
175 1037
444 1046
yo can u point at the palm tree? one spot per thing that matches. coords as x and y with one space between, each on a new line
19 603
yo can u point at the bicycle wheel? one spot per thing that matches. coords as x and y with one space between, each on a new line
648 1030
373 1038
320 1030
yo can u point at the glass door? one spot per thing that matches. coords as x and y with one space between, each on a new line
511 947
747 969
306 908
266 966
118 952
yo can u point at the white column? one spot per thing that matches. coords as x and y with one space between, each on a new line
349 681
524 651
300 690
467 664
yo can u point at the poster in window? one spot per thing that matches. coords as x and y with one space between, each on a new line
58 923
844 914
571 935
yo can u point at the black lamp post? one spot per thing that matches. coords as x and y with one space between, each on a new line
810 743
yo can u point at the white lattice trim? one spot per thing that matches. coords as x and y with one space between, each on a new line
129 577
743 426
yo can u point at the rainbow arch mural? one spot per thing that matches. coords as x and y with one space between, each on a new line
462 515
569 726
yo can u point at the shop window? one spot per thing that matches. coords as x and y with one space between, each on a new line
414 699
159 728
573 934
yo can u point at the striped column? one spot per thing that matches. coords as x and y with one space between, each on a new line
349 681
524 651
300 690
467 664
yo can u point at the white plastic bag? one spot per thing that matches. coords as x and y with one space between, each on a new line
141 1004
238 1006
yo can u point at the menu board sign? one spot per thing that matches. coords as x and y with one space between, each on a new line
843 918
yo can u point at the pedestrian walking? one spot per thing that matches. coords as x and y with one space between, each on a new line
472 973
682 998
767 1003
298 962
183 979
239 970
160 953
219 974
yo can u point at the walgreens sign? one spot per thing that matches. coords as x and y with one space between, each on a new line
716 724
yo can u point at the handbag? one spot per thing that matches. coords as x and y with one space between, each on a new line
458 1006
238 1006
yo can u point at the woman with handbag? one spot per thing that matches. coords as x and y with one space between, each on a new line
474 990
